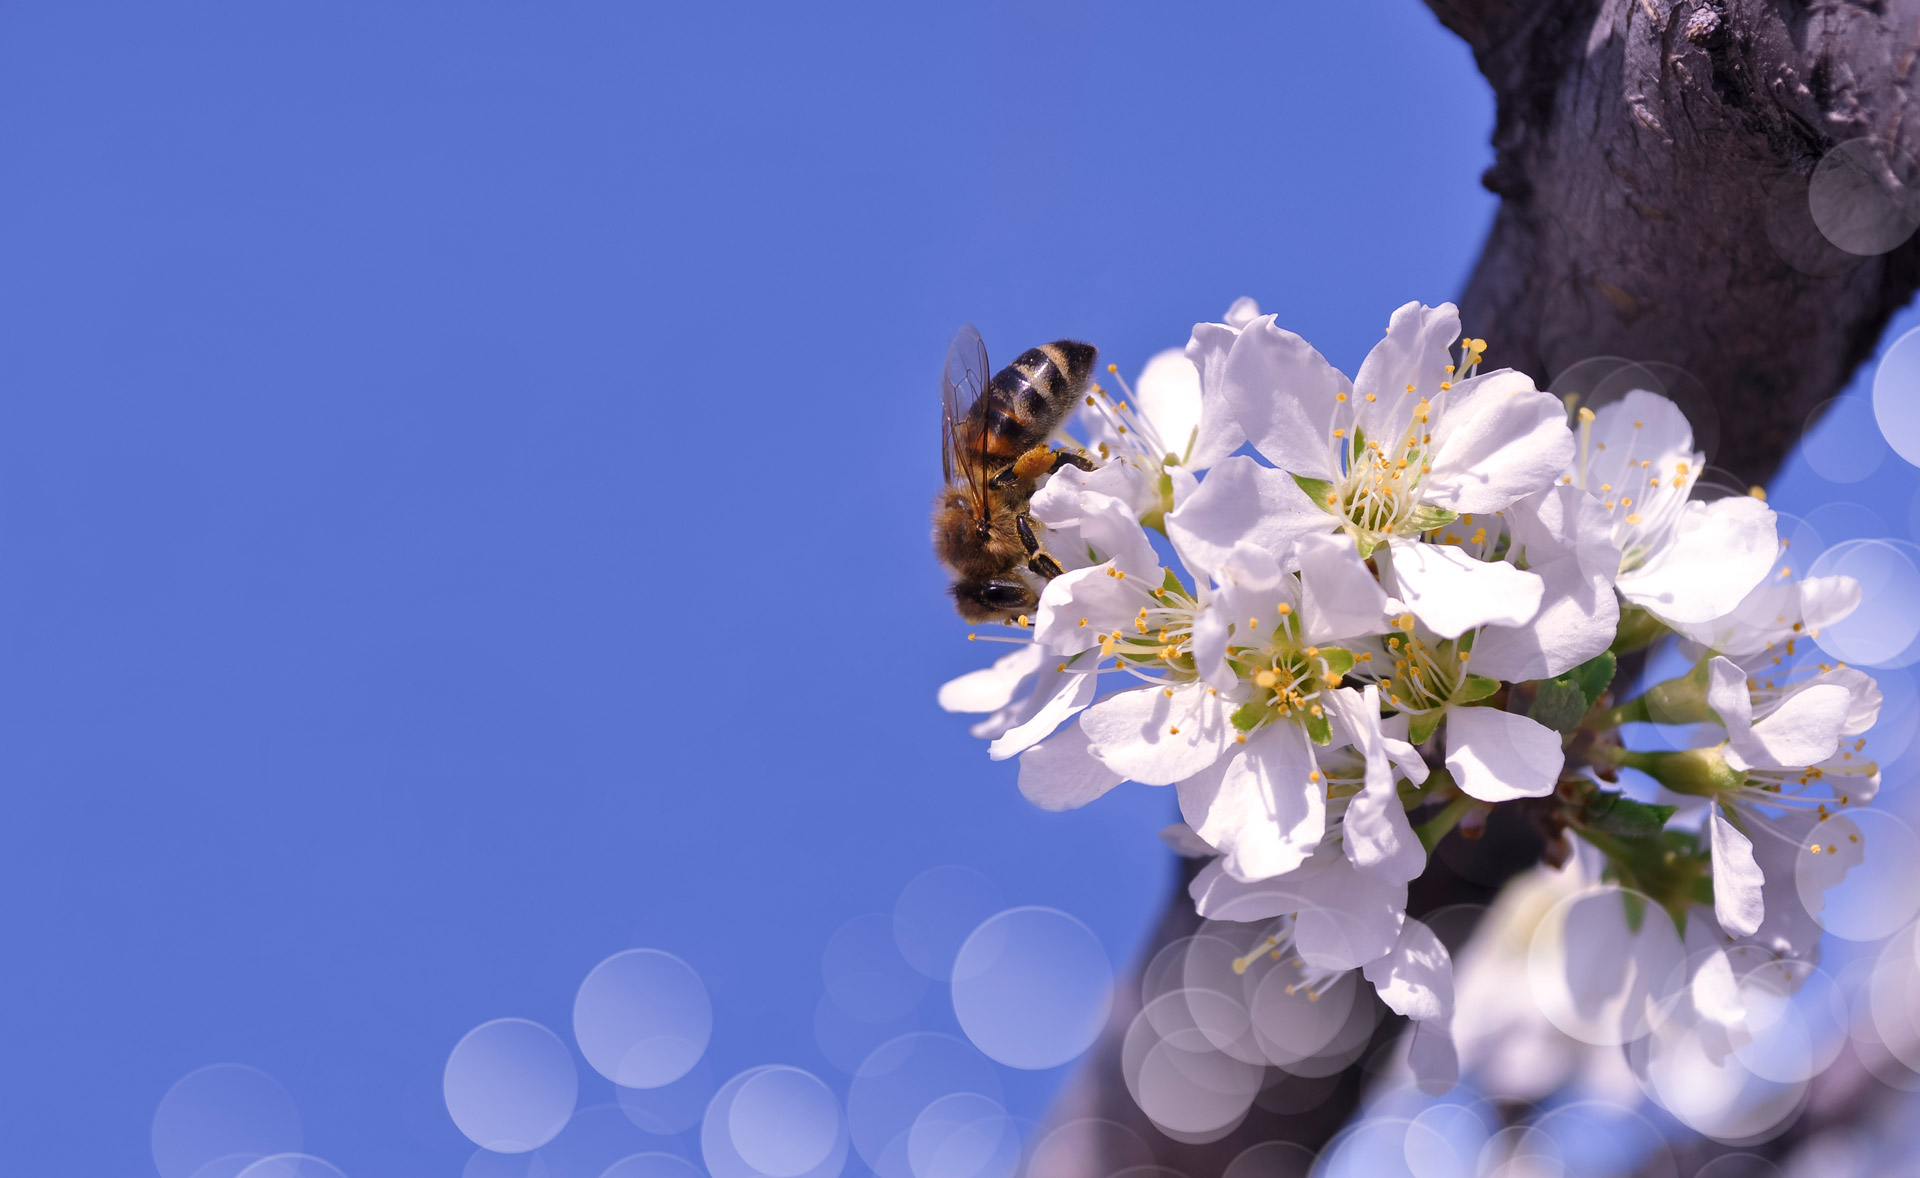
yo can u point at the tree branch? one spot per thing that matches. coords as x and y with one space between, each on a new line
1653 160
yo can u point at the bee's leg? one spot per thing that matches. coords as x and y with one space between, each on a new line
1069 458
1038 561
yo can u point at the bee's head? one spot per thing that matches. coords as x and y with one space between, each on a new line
993 599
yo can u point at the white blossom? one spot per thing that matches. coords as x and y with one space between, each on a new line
1681 559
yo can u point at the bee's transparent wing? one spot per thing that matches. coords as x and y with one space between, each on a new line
962 382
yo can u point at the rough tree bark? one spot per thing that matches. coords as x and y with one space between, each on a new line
1653 160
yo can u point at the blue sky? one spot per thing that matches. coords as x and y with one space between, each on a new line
463 482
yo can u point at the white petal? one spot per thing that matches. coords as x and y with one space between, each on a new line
1434 1058
1376 834
1243 312
1063 498
1339 597
1452 592
1565 521
1346 918
1414 352
1716 554
1284 395
1579 616
1059 774
1498 439
1257 806
1804 729
1167 396
991 688
1056 699
1159 736
1415 978
1076 608
1729 696
1640 448
1737 881
1497 756
1180 838
1242 500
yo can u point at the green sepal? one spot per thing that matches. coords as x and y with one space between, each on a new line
1248 716
1636 906
1318 728
1594 676
1339 660
1368 545
1426 519
1559 705
1619 815
1171 583
1316 489
1420 725
1475 689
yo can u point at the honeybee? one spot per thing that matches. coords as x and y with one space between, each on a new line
994 450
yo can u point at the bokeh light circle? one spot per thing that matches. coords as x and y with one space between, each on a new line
720 1148
291 1165
510 1085
652 1165
642 1018
1032 988
1863 882
224 1113
670 1108
784 1122
1063 1152
963 1135
936 912
896 1084
1863 198
1885 629
1896 396
1841 441
1445 1141
1599 962
865 974
1271 1159
1738 1165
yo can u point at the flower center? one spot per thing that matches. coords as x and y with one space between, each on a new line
1425 676
1378 490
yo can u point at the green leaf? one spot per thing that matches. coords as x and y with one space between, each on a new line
1318 490
1339 660
1318 728
1594 676
1563 702
1249 715
1426 519
1475 689
1618 814
1559 705
1420 725
1636 905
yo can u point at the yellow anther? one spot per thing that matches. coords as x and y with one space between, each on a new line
1445 385
1253 623
1634 518
1114 369
1586 415
1169 692
1314 776
1284 609
1340 397
1371 398
1758 492
1266 678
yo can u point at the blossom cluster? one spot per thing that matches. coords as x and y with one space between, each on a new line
1342 617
